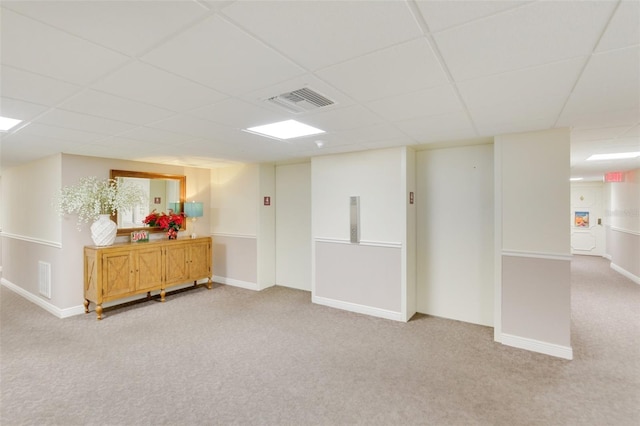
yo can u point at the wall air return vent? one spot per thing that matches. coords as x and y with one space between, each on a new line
301 100
44 279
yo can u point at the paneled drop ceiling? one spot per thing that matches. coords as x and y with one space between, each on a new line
176 81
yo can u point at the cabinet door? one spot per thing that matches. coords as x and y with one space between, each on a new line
118 273
200 260
149 269
177 265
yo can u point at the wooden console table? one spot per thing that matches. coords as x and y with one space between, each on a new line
123 270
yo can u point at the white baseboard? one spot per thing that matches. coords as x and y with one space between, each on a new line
52 309
565 352
79 310
607 256
236 283
360 309
624 272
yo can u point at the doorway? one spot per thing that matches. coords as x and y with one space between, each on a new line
587 219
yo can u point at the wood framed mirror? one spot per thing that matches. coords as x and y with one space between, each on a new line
166 192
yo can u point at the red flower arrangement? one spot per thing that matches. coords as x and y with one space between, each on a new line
169 222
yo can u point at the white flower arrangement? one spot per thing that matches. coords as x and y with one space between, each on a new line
92 197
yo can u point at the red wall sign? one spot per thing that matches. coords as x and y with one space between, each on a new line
614 177
267 201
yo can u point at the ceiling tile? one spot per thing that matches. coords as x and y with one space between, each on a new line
338 119
20 110
438 100
35 47
586 135
115 108
134 147
157 136
129 27
551 80
438 128
534 34
221 56
38 130
30 87
624 28
609 82
145 83
385 144
633 132
518 115
441 15
119 148
192 126
87 123
330 150
18 150
396 70
597 119
238 114
375 133
316 34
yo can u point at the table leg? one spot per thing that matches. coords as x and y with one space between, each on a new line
99 312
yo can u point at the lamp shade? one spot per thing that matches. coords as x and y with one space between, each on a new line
175 207
193 209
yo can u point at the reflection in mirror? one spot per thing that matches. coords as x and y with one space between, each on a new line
166 193
163 196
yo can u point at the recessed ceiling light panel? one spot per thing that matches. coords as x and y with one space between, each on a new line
288 129
8 123
614 156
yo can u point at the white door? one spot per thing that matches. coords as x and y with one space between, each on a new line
587 229
455 233
293 226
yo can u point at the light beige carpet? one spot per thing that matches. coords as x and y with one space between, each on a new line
233 356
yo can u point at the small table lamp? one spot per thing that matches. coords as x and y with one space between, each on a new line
193 211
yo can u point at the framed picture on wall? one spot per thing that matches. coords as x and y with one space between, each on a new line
581 219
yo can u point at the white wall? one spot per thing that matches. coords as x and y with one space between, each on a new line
622 225
1 221
533 245
455 233
375 176
534 189
234 225
375 283
409 245
267 227
293 226
23 215
234 200
243 226
32 231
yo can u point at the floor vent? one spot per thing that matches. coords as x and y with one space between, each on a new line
44 279
301 100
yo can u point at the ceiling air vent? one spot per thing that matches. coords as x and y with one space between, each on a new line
301 100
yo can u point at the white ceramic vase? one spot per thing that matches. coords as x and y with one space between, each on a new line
103 231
